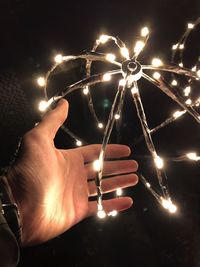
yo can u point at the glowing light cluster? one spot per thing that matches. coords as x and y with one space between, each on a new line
130 70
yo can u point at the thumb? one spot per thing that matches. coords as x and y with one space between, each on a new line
54 119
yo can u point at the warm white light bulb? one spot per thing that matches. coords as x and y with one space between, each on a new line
181 46
193 156
100 125
104 38
159 162
41 81
110 57
138 47
174 47
122 82
124 52
194 68
178 113
156 75
198 73
97 165
113 213
78 143
188 101
174 83
144 32
101 214
190 25
58 58
148 185
86 90
117 116
134 90
106 77
119 192
43 105
180 64
187 90
156 62
172 208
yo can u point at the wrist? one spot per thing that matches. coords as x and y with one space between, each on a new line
9 208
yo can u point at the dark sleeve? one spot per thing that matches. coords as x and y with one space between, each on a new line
9 249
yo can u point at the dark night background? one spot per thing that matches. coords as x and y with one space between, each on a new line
32 32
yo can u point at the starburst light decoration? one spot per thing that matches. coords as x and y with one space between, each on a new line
130 70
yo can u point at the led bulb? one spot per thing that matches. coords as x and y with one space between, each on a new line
101 214
106 77
58 58
178 113
119 192
113 213
122 82
134 90
190 25
159 162
187 90
193 156
110 57
86 90
188 101
103 38
156 62
97 165
144 32
124 52
41 81
172 208
43 105
156 75
174 47
174 83
117 116
78 143
100 125
148 185
138 47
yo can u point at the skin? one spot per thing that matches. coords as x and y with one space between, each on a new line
52 186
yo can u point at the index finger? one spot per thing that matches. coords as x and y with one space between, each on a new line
91 152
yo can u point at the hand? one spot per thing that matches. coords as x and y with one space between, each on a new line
51 186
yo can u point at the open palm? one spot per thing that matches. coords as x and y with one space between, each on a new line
51 186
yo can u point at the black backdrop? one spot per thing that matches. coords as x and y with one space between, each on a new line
31 33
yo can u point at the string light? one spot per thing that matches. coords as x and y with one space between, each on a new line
131 72
159 162
144 32
100 125
106 77
124 52
156 62
156 75
119 192
103 38
43 105
85 90
110 57
41 81
139 47
174 83
58 58
193 156
79 143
